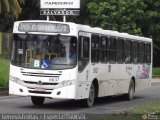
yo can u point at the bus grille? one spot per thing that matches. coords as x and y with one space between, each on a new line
40 74
49 87
44 83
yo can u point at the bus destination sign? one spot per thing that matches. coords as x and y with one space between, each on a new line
43 27
59 12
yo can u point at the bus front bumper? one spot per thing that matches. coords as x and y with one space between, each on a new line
67 92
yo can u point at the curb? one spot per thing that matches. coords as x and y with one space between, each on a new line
4 91
155 80
155 76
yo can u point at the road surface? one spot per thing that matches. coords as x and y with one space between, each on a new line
107 105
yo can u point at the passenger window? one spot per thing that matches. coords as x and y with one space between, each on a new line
148 53
120 50
95 48
112 49
104 49
128 52
135 52
141 52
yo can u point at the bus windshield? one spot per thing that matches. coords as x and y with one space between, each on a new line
44 51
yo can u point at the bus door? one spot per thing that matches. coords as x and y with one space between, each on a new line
83 66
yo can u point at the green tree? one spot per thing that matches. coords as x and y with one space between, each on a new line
31 11
151 26
117 15
6 22
11 6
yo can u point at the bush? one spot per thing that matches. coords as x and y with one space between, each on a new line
4 72
5 45
156 71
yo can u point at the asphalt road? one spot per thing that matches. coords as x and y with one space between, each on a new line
107 105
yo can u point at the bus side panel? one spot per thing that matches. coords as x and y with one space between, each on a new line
124 76
117 79
112 76
105 86
142 76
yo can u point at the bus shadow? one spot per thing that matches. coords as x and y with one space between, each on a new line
66 105
71 105
114 99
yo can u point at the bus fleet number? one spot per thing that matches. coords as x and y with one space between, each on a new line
54 79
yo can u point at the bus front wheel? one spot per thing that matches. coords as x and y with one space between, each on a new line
90 100
37 100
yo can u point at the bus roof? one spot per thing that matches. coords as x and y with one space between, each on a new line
94 30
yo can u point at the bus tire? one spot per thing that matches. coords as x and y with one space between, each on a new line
37 100
90 100
130 94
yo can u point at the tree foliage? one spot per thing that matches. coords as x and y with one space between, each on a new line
117 15
11 6
6 22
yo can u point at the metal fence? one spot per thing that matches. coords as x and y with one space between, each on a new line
5 44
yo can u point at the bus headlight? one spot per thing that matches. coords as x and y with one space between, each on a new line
16 80
65 83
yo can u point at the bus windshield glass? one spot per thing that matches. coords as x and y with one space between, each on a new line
44 51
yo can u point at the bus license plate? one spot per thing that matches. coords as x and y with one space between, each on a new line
40 89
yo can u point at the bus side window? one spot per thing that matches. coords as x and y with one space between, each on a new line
83 52
120 50
141 52
95 48
148 53
135 52
104 49
127 53
112 50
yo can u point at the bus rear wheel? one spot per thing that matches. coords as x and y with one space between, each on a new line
130 94
37 100
90 100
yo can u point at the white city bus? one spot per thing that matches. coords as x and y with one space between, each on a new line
65 60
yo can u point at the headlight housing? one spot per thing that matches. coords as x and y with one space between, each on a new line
16 80
65 83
